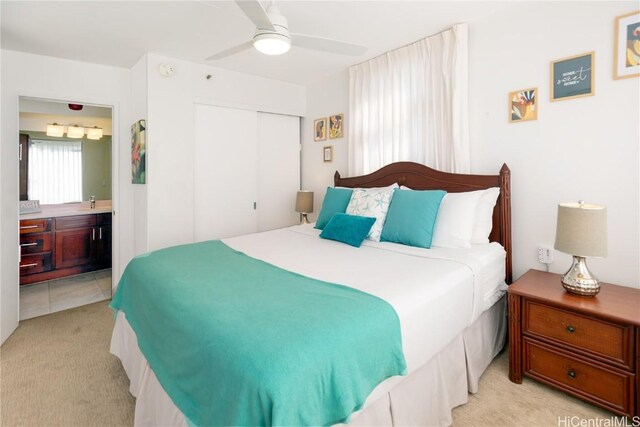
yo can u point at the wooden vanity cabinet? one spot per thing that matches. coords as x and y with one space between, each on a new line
75 241
70 245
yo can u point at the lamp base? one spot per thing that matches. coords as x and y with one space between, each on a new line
304 219
579 280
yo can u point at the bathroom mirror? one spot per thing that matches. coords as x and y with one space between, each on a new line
64 151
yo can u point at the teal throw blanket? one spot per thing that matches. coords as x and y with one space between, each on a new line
237 341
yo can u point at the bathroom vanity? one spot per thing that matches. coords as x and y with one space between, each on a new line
64 240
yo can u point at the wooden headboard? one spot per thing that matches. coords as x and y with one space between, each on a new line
421 177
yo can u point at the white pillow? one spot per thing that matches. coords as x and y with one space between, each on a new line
456 220
371 202
484 216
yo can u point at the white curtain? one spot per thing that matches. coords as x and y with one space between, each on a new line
410 104
55 171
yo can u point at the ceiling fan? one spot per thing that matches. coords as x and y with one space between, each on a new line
272 35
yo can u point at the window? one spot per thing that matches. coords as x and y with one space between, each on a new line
55 171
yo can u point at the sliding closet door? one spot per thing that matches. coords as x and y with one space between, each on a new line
225 172
278 170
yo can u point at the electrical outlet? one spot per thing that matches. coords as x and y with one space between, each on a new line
545 255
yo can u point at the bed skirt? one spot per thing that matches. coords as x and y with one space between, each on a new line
425 397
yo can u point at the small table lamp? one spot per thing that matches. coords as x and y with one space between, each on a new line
304 205
581 232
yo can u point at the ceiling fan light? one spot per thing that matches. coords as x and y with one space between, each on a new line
55 130
94 133
272 44
75 132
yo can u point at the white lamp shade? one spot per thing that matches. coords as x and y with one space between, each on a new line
94 133
272 44
55 130
582 229
304 202
75 132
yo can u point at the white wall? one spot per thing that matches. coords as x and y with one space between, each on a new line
139 101
586 148
170 133
326 97
51 78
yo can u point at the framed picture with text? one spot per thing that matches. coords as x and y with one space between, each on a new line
327 153
573 77
627 46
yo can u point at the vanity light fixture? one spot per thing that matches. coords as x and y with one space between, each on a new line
55 130
94 133
75 131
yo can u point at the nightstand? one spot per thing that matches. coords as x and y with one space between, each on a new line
588 347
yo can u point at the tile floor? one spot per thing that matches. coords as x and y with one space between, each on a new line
61 294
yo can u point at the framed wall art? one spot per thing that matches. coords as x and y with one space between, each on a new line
573 77
320 129
627 46
138 152
336 128
523 105
327 153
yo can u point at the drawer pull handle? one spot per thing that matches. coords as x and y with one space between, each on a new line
26 227
571 329
571 373
33 264
29 244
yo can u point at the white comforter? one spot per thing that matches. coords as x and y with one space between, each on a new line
436 292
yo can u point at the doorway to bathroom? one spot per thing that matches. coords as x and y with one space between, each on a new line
66 186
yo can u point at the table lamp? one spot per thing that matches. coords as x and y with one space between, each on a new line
582 232
304 205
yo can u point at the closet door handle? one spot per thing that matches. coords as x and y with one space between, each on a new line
94 234
100 233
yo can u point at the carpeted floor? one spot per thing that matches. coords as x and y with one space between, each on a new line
56 370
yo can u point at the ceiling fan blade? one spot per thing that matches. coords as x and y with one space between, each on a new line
327 45
230 51
258 15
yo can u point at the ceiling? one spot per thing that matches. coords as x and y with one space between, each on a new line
118 33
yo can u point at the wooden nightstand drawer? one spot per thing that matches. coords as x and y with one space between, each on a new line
596 338
35 225
606 386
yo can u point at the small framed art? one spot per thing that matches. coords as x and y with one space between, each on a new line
327 153
336 129
138 152
627 46
573 77
320 129
523 105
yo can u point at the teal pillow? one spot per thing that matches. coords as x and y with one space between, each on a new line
349 229
335 201
412 217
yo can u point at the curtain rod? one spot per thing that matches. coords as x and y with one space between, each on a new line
406 45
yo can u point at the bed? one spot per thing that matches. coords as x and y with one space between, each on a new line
449 305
